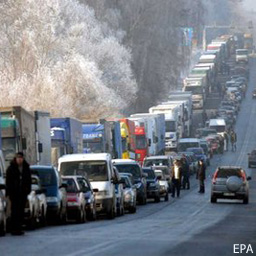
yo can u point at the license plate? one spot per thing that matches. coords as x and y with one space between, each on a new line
229 194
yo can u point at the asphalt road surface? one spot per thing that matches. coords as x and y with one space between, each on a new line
190 225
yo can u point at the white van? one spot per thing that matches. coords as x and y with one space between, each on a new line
184 144
98 169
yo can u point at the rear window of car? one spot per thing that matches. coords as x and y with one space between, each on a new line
47 177
225 173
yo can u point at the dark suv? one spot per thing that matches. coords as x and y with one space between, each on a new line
230 182
252 159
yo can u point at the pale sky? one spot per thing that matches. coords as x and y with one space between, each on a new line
250 4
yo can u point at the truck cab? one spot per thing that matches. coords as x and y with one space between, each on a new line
242 56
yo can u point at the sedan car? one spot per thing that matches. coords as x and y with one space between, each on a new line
129 194
164 186
76 199
89 194
56 195
153 185
230 182
199 153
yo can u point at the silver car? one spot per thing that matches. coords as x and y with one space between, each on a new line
129 193
230 182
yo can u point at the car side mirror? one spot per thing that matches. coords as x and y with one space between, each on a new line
249 178
2 187
95 190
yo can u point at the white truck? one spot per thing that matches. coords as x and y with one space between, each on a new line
186 98
197 88
158 130
43 138
172 123
242 55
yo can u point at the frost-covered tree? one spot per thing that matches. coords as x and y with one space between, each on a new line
56 56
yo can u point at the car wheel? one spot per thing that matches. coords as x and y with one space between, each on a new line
3 227
133 209
32 222
246 200
213 199
43 218
166 198
112 213
63 218
122 209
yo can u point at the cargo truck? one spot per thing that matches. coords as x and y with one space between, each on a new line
43 137
2 161
128 138
172 124
18 133
66 137
158 128
103 137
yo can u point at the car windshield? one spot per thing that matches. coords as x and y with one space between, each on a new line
219 128
225 173
194 89
9 148
93 170
205 133
71 185
156 162
134 169
150 173
141 142
204 147
83 185
126 181
184 145
170 126
47 177
197 151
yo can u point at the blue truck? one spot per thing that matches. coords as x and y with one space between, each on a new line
66 137
103 137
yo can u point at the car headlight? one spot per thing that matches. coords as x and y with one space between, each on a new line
89 200
51 199
127 197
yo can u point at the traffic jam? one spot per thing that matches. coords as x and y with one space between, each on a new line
84 170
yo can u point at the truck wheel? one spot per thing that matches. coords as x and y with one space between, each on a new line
157 199
111 214
32 222
43 218
132 209
246 200
166 198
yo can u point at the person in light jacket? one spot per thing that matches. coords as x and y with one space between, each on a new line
176 178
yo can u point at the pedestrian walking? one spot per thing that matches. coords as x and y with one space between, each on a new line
201 175
185 173
18 186
176 178
226 138
233 139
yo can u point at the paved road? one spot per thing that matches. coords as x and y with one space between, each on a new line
190 225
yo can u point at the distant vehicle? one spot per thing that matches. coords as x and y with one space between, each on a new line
230 182
252 159
56 196
131 166
129 193
192 161
242 55
254 94
204 132
218 124
153 185
98 169
76 199
199 153
207 151
188 143
164 186
165 163
214 144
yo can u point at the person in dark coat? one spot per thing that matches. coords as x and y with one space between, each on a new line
185 173
201 175
176 178
18 186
